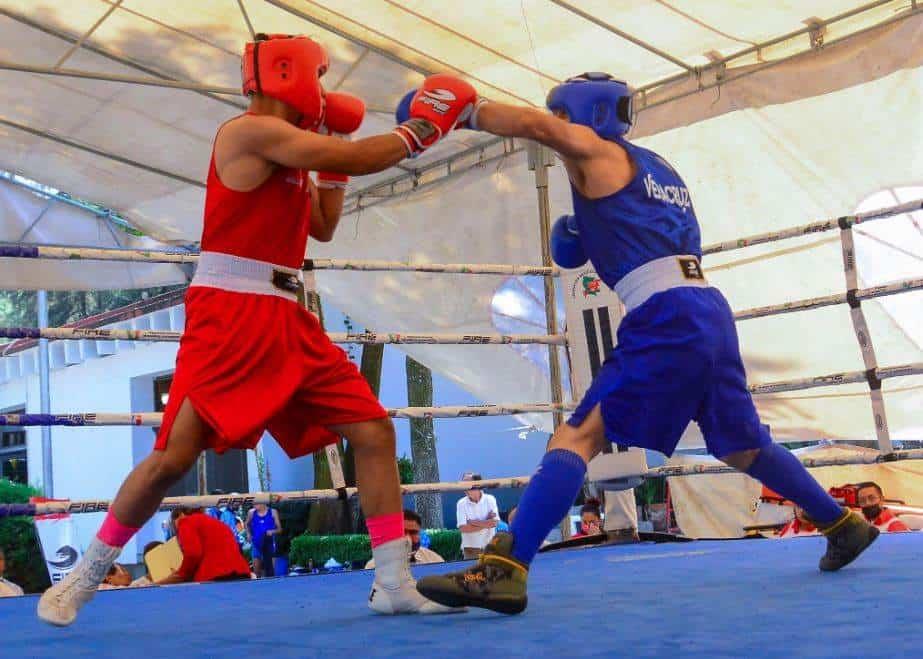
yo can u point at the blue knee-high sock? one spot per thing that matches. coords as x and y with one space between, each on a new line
781 471
547 499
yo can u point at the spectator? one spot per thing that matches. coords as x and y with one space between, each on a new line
590 519
146 580
7 588
228 515
117 577
868 498
476 515
418 554
800 525
210 551
262 526
621 516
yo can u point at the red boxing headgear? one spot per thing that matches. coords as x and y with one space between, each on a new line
287 68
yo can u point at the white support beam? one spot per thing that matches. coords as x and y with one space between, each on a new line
624 35
114 77
243 11
119 59
284 6
385 53
722 64
86 35
432 173
99 152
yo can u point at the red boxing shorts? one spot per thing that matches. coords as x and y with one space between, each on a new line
251 362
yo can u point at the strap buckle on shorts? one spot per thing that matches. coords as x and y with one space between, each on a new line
285 281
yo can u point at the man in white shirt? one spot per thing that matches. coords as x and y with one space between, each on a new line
418 554
7 588
477 516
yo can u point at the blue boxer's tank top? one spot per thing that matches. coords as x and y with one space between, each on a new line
648 219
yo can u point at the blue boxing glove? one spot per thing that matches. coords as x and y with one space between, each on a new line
402 113
566 247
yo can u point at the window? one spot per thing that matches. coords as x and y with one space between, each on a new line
227 471
13 452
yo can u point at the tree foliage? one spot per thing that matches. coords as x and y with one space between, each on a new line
19 308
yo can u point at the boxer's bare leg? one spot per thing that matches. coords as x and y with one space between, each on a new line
137 500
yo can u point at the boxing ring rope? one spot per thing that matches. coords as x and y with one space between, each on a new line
166 256
843 222
364 338
859 294
459 411
156 418
67 333
873 375
63 506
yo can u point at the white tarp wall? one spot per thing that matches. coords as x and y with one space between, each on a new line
30 217
720 505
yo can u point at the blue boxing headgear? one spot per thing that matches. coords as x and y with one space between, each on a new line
596 100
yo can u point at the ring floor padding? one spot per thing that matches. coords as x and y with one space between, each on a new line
736 598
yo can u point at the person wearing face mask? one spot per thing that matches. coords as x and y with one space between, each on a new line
869 497
413 526
590 519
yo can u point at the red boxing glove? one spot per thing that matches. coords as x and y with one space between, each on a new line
343 116
442 102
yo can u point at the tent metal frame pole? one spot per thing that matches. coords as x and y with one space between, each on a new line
640 94
99 152
442 64
86 35
390 188
540 159
624 35
110 216
44 386
724 61
243 11
349 37
119 59
113 77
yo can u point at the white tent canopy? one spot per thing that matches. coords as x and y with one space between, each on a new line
776 114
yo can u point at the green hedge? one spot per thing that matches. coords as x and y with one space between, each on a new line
446 543
24 563
357 548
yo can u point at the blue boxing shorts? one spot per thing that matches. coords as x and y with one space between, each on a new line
677 360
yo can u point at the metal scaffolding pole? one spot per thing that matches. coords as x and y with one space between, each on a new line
44 388
540 159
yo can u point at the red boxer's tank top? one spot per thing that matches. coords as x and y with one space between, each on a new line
269 223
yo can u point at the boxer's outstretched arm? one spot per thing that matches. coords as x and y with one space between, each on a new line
570 140
282 143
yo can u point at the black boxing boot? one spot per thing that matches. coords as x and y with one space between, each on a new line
496 582
847 537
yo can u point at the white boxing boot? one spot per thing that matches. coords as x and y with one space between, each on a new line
60 603
394 590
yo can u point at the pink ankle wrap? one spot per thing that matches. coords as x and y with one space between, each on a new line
385 528
114 533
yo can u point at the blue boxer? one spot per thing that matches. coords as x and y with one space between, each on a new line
677 358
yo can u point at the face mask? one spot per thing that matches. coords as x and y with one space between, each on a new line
871 512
